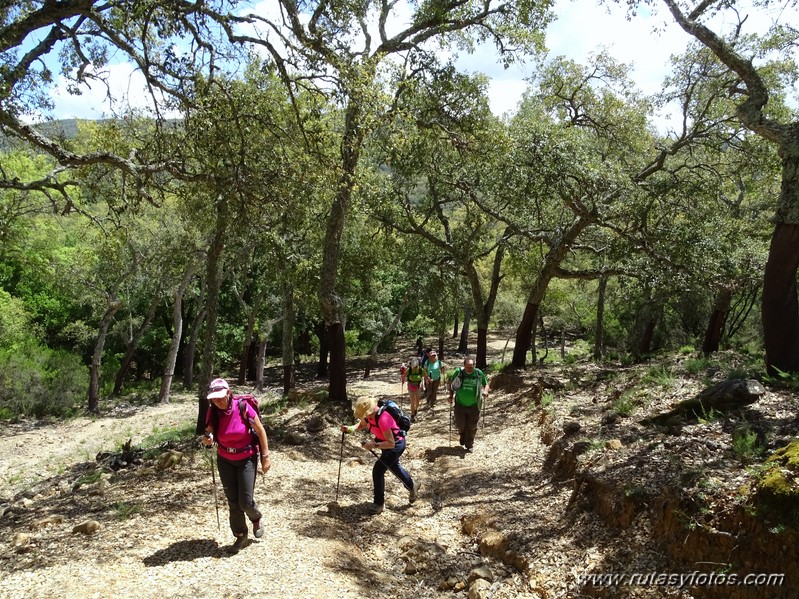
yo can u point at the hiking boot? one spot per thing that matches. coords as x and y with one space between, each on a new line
375 509
470 450
412 493
257 529
239 544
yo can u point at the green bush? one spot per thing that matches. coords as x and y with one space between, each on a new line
14 321
37 381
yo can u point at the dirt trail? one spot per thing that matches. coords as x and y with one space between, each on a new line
159 535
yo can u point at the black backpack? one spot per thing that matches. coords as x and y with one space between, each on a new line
403 420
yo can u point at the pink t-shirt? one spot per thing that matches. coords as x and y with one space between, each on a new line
232 431
384 424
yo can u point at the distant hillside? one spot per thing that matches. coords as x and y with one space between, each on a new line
60 129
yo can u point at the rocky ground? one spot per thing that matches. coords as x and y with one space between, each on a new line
559 488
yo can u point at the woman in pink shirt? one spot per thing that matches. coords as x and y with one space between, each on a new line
237 456
390 440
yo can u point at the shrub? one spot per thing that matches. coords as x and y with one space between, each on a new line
37 381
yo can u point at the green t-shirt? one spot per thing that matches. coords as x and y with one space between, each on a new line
434 369
471 386
415 375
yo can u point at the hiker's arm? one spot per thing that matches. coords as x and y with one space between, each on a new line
208 437
387 444
266 463
355 427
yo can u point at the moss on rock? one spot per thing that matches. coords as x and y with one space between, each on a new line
778 490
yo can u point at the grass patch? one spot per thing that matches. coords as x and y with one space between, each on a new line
624 404
695 365
159 436
745 445
125 510
661 375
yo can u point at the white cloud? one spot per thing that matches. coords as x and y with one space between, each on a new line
126 89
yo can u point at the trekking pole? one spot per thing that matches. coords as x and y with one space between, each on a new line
450 424
340 459
216 498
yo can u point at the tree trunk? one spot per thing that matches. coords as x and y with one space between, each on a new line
321 334
177 334
455 326
557 252
392 325
338 373
524 335
715 327
190 351
599 329
247 361
463 343
780 311
287 350
133 345
97 356
212 278
332 303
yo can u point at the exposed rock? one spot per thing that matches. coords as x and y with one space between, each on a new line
481 572
726 395
479 589
509 382
315 424
21 541
168 459
493 543
87 527
614 444
48 521
294 438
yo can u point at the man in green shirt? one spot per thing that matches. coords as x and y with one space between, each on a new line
468 385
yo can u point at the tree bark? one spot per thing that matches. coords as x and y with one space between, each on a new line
599 330
715 326
212 305
321 333
133 345
463 343
557 252
177 334
780 311
97 356
331 301
287 351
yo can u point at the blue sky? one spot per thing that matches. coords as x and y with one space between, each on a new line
581 28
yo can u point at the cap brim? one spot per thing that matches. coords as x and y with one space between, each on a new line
217 394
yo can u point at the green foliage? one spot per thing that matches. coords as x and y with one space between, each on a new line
686 350
547 398
660 374
745 444
625 403
38 381
694 365
125 510
14 321
180 433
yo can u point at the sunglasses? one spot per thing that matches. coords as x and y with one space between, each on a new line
215 389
